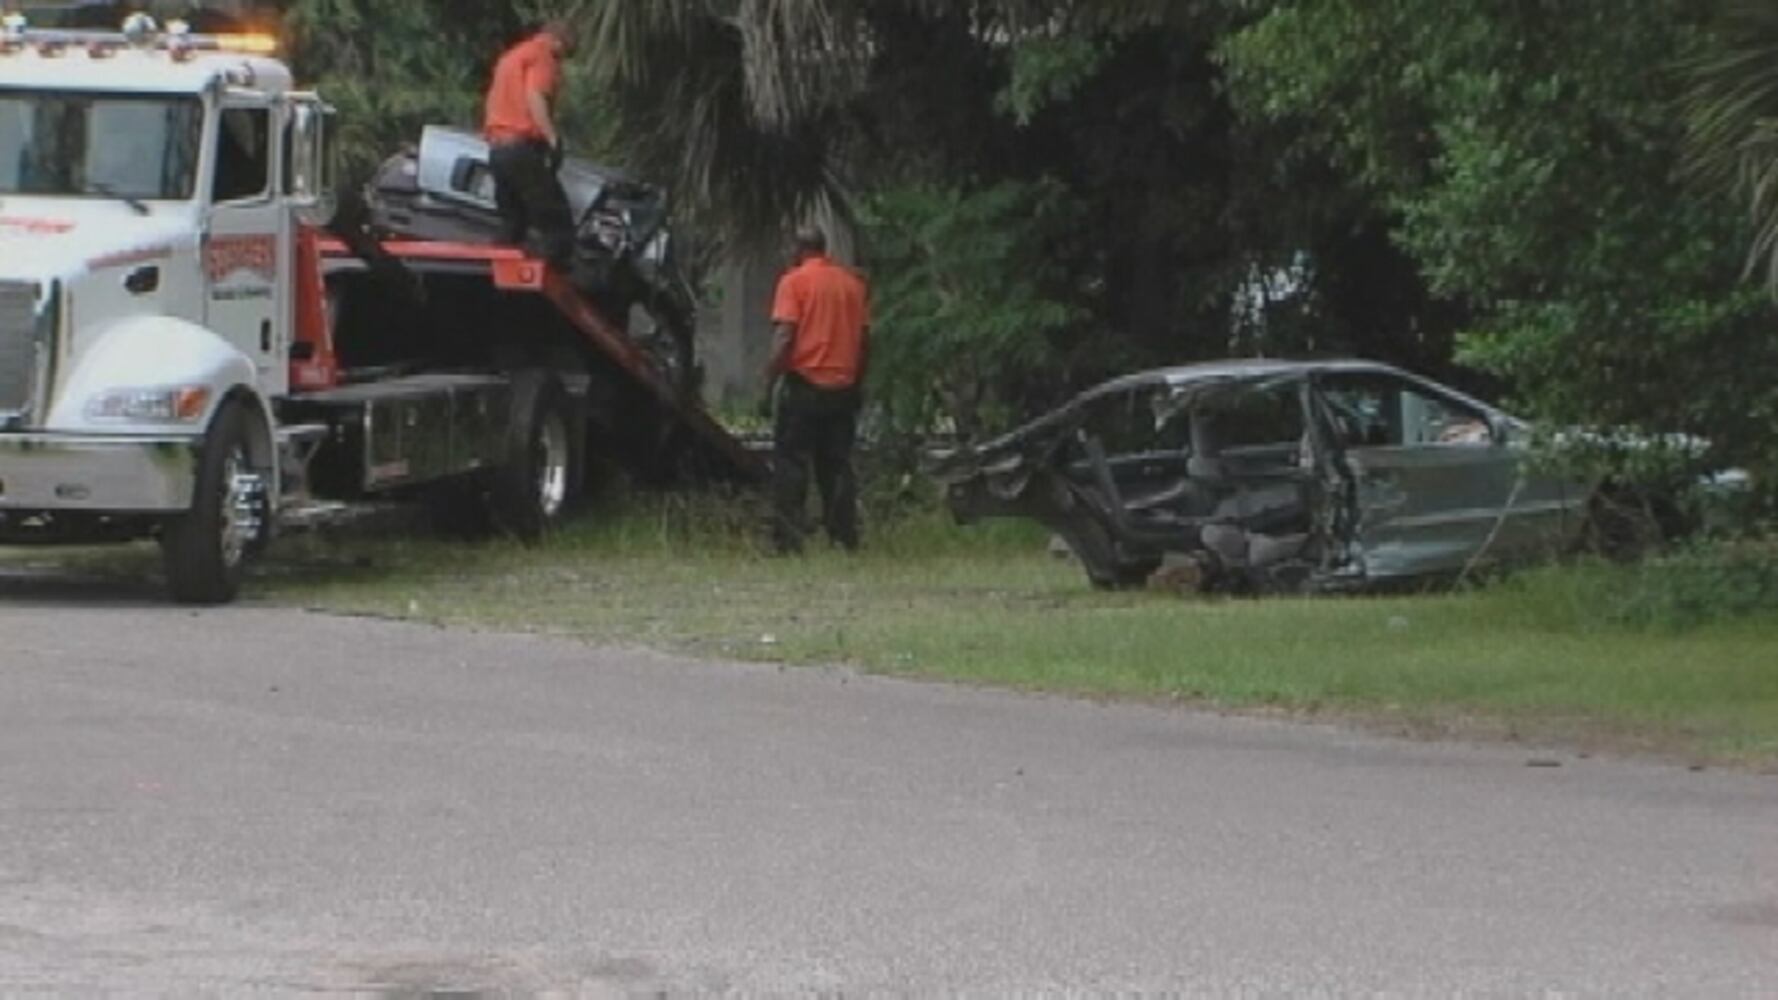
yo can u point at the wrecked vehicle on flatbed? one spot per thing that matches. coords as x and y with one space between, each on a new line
625 255
1273 476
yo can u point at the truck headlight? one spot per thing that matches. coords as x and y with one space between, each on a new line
170 405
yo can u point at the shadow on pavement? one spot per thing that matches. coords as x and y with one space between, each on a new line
129 575
128 581
48 586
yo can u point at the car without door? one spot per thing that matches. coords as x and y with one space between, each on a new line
1267 476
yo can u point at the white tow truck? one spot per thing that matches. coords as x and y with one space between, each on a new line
187 354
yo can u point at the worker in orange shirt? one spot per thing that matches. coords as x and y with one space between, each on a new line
821 344
525 149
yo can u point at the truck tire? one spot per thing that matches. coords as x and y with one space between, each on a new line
205 550
534 489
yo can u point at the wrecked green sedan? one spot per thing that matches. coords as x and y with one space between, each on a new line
1274 476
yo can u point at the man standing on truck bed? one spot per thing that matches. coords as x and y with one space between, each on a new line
525 149
821 323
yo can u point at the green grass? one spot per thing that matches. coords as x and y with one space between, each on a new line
1545 656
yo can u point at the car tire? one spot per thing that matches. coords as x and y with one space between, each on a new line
205 550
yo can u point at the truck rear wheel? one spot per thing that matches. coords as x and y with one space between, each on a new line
206 549
536 487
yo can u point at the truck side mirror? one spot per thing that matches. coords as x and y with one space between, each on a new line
311 160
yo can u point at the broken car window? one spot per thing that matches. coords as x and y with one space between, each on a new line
1136 420
1378 411
1267 417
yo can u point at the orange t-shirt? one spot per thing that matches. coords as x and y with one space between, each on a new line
530 66
829 309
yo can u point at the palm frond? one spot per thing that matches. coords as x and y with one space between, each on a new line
678 74
748 104
1732 121
738 102
801 58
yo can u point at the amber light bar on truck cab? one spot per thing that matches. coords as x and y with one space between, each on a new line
139 32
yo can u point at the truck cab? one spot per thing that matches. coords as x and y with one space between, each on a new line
151 185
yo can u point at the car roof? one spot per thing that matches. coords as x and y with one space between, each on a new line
1257 368
1235 370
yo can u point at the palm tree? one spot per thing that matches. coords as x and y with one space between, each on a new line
1733 121
743 104
753 107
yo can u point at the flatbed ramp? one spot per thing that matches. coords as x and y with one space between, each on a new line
718 453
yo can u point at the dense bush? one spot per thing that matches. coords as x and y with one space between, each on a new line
1698 585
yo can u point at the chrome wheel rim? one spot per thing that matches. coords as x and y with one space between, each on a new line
551 452
242 507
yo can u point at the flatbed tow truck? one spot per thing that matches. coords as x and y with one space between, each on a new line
194 350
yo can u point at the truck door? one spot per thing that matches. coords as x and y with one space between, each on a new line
246 252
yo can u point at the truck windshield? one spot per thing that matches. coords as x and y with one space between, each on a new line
69 143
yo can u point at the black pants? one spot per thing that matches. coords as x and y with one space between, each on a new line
530 196
814 426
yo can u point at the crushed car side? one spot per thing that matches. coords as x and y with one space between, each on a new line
1272 477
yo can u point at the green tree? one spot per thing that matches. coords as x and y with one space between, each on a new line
964 306
1527 155
774 110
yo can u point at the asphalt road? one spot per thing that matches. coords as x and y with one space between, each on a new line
262 800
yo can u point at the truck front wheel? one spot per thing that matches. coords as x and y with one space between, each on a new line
205 550
533 491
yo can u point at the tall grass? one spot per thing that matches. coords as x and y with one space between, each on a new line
1672 593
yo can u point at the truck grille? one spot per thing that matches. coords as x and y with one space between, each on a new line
18 346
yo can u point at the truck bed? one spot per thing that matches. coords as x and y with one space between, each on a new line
717 453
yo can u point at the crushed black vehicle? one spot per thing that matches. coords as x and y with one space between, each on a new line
625 258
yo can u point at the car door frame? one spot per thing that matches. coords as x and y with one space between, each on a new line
1434 508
